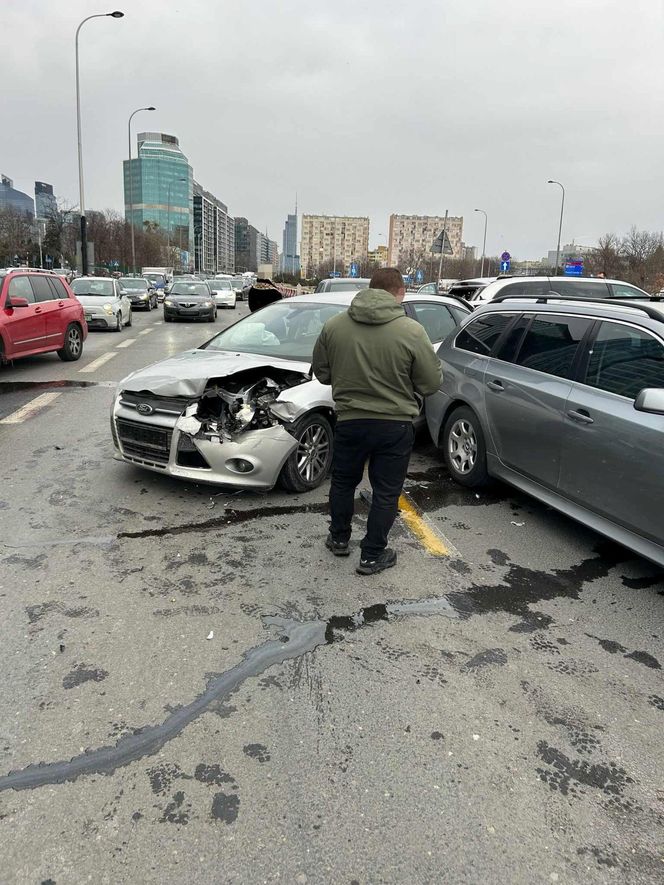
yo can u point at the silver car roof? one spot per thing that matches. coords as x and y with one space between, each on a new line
347 298
644 311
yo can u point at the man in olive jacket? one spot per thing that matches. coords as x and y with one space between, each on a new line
376 359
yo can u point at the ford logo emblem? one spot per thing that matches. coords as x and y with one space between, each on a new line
144 409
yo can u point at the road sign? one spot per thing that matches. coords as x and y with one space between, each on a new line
419 276
438 244
408 279
506 257
335 273
574 268
354 269
505 264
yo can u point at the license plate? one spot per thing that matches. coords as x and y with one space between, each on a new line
88 317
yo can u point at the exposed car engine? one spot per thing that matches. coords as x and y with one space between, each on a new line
238 403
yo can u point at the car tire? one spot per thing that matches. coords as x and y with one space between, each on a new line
73 346
464 448
308 466
168 319
118 322
130 320
213 318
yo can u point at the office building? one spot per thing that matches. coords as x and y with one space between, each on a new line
252 248
214 233
339 239
159 185
378 256
45 202
290 259
412 236
468 253
10 198
569 252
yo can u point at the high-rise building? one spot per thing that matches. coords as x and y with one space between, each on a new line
13 199
252 248
214 234
45 202
340 239
290 260
378 256
412 236
159 186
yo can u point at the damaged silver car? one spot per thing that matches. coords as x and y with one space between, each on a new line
244 409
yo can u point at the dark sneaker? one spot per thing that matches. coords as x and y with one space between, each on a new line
387 559
339 548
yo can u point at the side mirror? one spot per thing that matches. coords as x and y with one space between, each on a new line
16 302
651 400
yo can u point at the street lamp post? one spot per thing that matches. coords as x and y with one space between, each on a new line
84 236
486 220
560 226
131 190
168 216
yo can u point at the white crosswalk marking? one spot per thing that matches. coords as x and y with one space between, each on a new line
29 410
146 331
96 364
126 343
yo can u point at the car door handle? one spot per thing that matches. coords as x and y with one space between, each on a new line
580 416
38 310
495 385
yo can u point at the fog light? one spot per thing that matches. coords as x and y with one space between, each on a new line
239 465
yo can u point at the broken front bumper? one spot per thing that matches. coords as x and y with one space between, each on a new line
252 459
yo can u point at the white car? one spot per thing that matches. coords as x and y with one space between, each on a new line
223 292
105 302
487 289
243 409
342 284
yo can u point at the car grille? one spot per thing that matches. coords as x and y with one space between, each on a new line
168 405
145 442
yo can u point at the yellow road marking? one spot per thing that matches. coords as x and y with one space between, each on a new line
431 539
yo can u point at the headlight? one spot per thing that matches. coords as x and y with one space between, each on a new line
108 308
144 297
207 304
168 302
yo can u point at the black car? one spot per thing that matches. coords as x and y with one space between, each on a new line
190 300
140 292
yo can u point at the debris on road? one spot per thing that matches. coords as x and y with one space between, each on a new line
210 635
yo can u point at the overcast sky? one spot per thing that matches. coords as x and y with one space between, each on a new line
364 107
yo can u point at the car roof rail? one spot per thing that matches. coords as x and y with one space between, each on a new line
611 302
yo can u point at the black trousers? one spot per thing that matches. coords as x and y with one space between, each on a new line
387 446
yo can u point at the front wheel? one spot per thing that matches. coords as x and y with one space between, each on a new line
73 346
464 448
130 320
118 322
308 466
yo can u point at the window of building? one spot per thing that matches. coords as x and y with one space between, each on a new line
625 360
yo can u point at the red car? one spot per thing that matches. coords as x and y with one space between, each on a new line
38 314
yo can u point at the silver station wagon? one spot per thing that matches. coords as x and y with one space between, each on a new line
563 399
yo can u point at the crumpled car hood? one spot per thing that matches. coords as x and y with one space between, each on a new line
188 373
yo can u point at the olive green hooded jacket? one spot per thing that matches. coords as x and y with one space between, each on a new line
376 359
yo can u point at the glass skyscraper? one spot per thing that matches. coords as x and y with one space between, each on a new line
11 198
290 260
159 185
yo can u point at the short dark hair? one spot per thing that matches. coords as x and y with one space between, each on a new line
387 278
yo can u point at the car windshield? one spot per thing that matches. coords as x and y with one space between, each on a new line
190 289
284 330
237 285
218 285
93 287
132 283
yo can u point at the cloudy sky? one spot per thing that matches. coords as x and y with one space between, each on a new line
364 107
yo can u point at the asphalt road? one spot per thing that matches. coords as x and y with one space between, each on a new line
195 690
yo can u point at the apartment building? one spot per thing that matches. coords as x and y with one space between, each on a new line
214 233
412 236
339 239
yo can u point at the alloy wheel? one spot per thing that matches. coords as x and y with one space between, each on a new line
462 446
312 453
74 341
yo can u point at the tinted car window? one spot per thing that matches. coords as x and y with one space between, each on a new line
512 341
526 287
481 335
580 288
41 288
19 287
437 320
625 360
551 343
59 287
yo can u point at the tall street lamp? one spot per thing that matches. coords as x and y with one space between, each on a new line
131 190
560 226
84 236
486 220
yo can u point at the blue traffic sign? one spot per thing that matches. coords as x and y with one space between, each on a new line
506 257
354 269
505 265
573 268
419 276
335 273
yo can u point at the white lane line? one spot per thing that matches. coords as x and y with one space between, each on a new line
29 410
146 331
158 324
126 343
96 364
